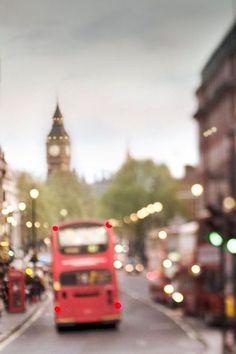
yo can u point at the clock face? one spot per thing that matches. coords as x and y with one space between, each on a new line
67 150
54 150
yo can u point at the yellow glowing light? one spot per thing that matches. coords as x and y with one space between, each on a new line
139 267
10 219
151 209
93 248
126 220
162 234
4 211
140 214
29 224
14 222
37 224
129 268
229 203
29 271
63 212
56 285
4 243
177 297
114 222
174 256
34 193
133 217
167 263
197 189
168 289
196 269
145 212
157 207
118 248
22 206
117 264
47 241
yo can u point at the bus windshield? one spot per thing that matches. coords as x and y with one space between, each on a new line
82 239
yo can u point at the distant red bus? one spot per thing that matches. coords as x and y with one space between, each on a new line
84 278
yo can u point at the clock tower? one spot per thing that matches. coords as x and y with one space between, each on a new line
58 145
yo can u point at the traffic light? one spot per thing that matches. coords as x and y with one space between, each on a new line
222 228
216 226
231 245
215 239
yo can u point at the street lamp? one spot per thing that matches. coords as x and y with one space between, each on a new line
22 206
197 190
63 213
34 193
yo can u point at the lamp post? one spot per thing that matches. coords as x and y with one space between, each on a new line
22 207
196 190
34 193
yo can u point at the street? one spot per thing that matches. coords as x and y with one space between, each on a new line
144 329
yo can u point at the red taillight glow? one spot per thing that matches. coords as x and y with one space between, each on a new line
108 225
117 305
152 276
55 228
57 309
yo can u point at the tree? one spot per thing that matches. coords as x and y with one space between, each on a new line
135 185
62 190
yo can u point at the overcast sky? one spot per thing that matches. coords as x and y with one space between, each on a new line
124 71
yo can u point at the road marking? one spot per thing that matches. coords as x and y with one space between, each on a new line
24 327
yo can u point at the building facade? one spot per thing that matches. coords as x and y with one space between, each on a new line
216 117
58 145
3 170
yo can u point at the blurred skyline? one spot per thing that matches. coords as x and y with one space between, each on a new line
124 73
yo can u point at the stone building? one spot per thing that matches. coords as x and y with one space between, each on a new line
58 145
216 117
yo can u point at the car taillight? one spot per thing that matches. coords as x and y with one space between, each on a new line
117 305
57 309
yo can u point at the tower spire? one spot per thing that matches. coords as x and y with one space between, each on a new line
58 145
57 113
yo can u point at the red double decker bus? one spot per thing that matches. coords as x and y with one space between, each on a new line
84 278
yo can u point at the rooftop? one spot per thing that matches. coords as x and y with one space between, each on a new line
225 49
